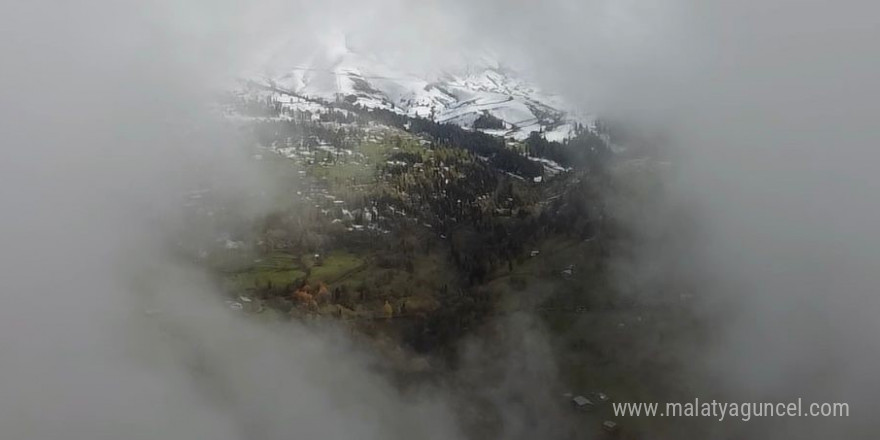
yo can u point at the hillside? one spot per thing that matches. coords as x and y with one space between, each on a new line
460 95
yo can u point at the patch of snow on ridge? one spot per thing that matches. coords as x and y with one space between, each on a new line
459 96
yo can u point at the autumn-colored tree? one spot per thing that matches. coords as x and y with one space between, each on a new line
303 297
322 295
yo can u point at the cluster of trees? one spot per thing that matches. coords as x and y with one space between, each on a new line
340 117
585 150
275 132
459 194
485 215
406 157
488 122
438 332
444 191
493 148
252 107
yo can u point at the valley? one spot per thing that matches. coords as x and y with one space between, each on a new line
419 236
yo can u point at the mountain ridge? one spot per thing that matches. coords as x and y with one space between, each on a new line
481 88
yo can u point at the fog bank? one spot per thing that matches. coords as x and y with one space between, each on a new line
770 110
770 107
106 332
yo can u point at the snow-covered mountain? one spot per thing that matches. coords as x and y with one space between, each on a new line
484 90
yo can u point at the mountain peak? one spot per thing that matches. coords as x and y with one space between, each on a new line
478 86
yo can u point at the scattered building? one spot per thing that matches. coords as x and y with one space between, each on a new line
609 426
582 403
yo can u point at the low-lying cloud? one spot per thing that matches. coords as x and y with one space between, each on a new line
771 106
106 331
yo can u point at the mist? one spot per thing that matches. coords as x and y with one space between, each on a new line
778 166
105 121
768 212
107 331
